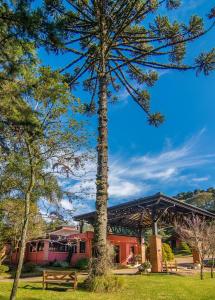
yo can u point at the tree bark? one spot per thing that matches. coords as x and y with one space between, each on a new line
212 268
100 231
3 254
24 228
202 271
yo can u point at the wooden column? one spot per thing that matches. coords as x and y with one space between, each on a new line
142 247
46 250
156 253
81 224
143 252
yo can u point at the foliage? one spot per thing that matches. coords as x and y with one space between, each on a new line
167 253
144 267
82 264
60 264
184 248
29 267
13 211
105 283
3 269
135 48
201 198
38 136
114 45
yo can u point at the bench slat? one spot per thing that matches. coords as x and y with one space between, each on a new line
169 266
59 277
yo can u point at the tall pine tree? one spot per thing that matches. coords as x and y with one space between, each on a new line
117 44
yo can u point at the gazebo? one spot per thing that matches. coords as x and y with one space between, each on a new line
155 212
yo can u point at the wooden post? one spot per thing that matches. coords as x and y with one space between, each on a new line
142 248
154 222
46 251
81 226
156 253
43 280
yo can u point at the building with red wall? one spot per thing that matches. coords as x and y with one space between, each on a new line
125 226
51 248
69 243
126 248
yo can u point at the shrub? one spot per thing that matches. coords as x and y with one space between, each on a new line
143 268
29 267
105 283
167 252
82 264
184 248
60 264
3 269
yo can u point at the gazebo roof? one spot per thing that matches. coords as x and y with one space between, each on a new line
140 213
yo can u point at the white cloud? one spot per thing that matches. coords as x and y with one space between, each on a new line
131 177
66 204
121 188
200 179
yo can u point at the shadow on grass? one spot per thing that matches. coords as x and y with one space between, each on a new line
57 288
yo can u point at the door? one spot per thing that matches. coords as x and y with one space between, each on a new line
116 254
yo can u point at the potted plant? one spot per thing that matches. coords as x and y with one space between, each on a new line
145 267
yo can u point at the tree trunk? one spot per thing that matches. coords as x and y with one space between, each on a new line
202 271
100 232
3 254
212 268
24 231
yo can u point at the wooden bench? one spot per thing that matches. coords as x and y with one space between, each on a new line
60 277
169 266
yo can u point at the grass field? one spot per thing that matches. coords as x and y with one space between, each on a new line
153 287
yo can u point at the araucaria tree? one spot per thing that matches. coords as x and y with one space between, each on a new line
117 44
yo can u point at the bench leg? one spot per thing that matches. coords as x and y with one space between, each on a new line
75 285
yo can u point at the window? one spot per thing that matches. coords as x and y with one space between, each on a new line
132 249
40 246
57 247
74 248
116 254
82 246
33 247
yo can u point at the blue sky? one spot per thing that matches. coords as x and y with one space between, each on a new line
179 155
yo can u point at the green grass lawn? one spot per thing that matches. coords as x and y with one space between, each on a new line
152 287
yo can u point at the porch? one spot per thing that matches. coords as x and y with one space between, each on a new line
153 212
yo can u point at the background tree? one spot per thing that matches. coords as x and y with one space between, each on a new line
114 44
18 36
201 198
37 139
212 247
195 232
12 222
3 253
